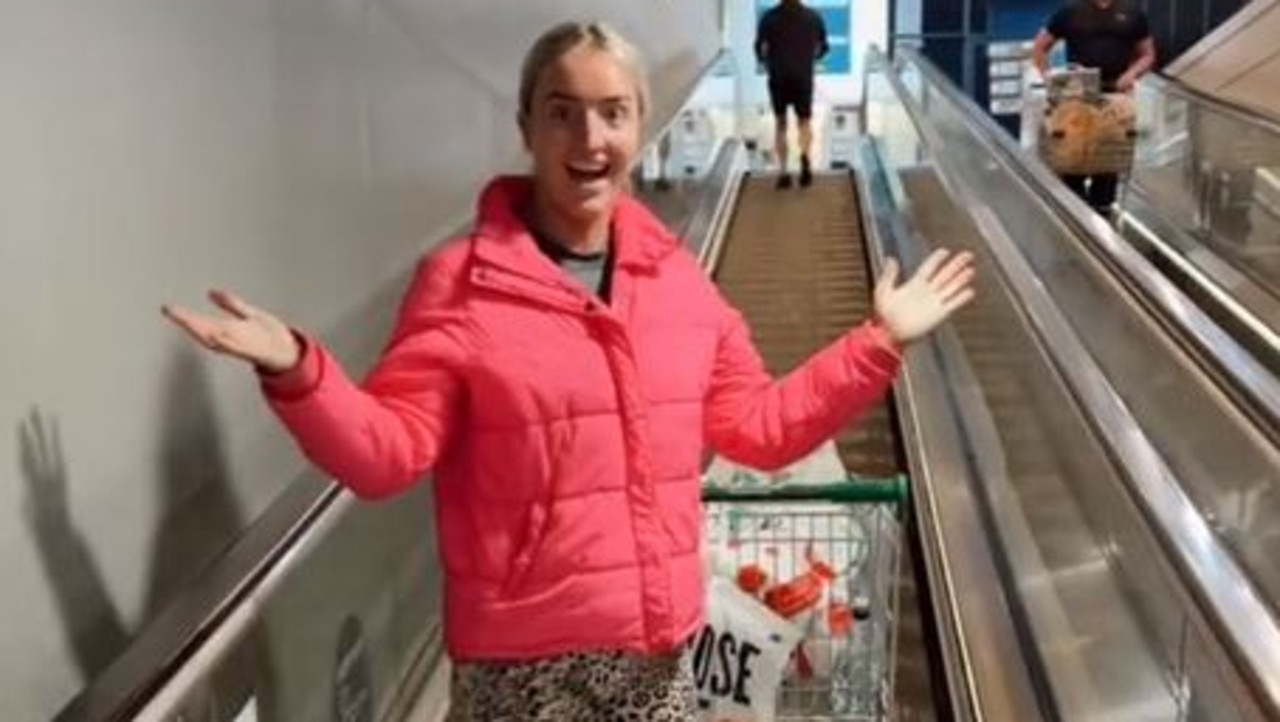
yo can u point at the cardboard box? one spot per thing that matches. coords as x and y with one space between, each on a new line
1086 134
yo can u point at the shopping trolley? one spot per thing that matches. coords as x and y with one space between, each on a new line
853 526
1077 128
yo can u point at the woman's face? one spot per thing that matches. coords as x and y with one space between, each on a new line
583 130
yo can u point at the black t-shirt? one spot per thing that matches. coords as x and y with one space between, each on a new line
790 39
593 270
1103 38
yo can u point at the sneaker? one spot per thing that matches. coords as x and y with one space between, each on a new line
806 174
784 181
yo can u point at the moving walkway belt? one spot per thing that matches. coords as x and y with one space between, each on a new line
794 264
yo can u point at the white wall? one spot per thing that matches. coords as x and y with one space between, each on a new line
1239 62
303 152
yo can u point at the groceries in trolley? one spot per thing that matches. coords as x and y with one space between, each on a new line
821 569
774 556
1082 130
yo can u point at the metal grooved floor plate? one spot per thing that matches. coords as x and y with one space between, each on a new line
794 266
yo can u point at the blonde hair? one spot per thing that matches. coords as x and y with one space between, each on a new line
564 37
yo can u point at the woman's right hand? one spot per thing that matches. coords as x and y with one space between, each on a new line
942 285
250 333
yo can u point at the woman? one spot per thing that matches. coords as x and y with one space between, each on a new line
560 370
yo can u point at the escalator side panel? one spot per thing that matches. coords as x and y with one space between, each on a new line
1048 493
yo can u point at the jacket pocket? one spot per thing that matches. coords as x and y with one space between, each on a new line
528 550
532 539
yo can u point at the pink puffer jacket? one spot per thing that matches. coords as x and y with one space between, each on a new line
567 435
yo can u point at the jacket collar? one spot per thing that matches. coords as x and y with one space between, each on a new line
502 237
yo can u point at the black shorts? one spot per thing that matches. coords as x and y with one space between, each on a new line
794 92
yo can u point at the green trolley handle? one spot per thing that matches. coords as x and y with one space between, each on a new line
854 490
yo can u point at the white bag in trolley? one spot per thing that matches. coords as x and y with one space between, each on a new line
740 656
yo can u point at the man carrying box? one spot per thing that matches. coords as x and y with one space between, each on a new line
1114 37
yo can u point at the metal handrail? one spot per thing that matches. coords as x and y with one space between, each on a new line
172 654
711 238
715 199
172 640
1226 284
954 550
891 490
1254 385
1232 605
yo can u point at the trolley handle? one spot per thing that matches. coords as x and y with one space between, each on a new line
853 490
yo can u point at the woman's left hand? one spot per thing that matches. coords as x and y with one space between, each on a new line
941 286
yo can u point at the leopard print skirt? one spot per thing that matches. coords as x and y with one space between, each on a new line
595 687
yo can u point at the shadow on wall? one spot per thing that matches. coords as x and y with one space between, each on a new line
91 623
200 520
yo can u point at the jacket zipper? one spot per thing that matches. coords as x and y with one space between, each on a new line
528 289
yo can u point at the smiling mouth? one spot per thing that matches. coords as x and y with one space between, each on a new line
587 173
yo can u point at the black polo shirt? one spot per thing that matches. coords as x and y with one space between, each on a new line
1103 38
789 39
